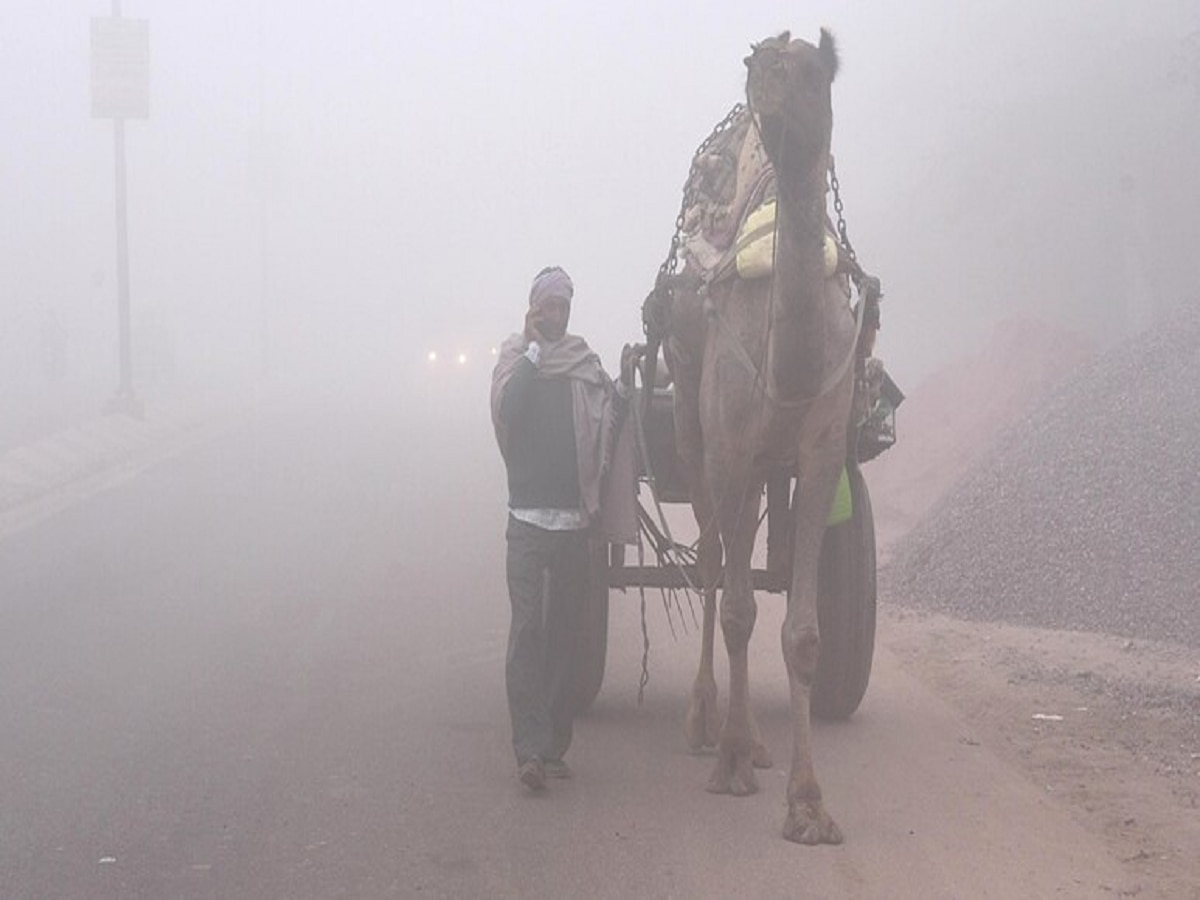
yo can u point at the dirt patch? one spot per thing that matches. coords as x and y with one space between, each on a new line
1108 726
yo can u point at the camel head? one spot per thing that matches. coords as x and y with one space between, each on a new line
788 90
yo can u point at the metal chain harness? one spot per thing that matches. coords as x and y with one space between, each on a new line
837 206
690 191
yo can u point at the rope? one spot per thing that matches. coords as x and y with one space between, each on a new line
650 480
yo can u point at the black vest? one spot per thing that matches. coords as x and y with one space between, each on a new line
543 468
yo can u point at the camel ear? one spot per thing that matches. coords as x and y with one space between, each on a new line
753 49
828 51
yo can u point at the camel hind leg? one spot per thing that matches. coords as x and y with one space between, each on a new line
738 518
684 352
703 723
702 726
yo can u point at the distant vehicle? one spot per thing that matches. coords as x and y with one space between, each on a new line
461 356
444 358
452 374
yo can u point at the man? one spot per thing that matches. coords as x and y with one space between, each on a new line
555 413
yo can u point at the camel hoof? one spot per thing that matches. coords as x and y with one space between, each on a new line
760 756
809 824
733 775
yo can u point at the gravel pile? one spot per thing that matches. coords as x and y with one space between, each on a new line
1086 514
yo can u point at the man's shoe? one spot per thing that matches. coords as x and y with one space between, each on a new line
556 768
532 774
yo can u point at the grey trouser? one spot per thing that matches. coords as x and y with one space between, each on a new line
547 587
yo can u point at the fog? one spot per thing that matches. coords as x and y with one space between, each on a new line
326 191
258 648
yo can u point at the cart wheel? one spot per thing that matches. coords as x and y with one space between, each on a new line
591 648
846 608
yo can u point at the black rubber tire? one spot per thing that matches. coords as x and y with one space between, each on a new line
591 647
846 599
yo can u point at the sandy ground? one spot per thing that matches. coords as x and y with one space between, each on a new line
1109 726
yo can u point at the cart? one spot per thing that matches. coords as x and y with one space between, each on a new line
846 571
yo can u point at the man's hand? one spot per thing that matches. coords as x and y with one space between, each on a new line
533 321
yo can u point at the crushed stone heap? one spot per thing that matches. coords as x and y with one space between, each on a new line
1086 514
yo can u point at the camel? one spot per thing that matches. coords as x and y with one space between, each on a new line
764 383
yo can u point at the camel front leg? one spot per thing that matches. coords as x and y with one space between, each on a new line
807 821
738 517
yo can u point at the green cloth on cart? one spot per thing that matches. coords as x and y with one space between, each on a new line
843 505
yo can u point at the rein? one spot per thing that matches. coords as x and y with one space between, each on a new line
740 352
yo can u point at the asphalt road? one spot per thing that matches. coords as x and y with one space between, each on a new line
272 667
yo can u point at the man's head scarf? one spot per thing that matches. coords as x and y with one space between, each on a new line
551 282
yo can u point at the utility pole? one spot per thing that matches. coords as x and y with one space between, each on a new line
264 346
125 398
120 89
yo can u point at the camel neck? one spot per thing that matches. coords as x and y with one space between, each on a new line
796 348
801 192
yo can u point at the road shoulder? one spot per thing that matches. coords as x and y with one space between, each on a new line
1108 726
46 476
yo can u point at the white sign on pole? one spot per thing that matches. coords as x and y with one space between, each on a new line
120 68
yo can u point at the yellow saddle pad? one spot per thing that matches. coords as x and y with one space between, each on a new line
755 245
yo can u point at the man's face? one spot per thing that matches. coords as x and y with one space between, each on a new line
553 314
